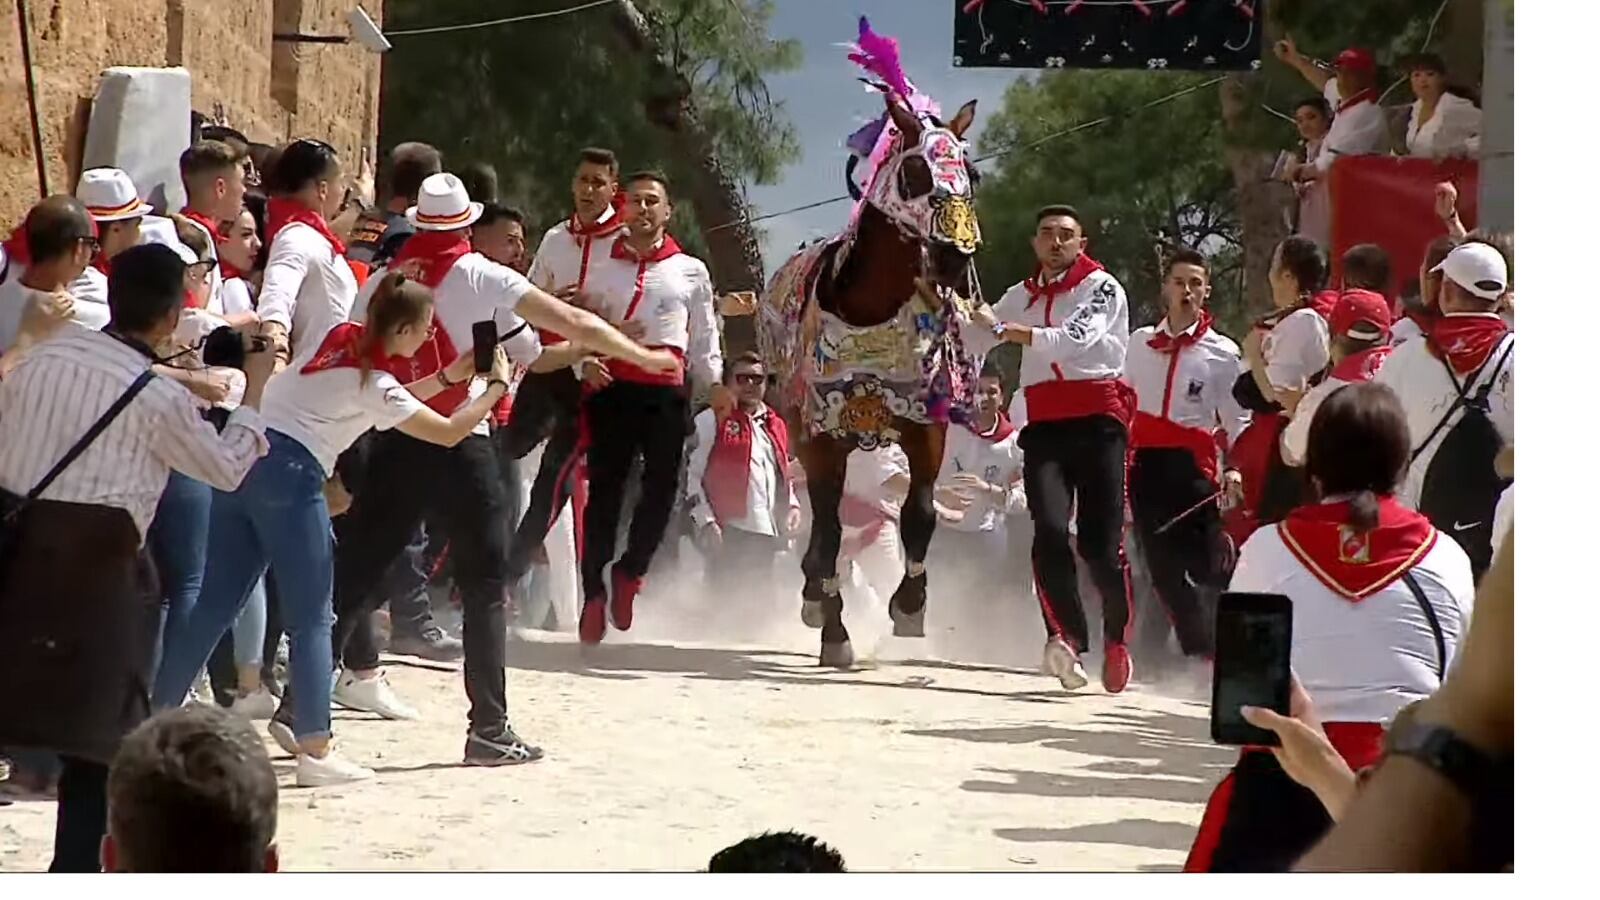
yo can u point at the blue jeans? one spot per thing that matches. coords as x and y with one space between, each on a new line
178 546
250 632
277 517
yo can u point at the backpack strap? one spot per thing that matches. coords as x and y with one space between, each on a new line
1464 394
1433 618
89 436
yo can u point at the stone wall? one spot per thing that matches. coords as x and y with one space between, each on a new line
271 91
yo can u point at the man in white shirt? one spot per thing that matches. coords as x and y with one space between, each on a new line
33 299
466 490
1359 126
213 183
113 202
1456 388
77 597
978 489
1071 319
641 277
740 489
546 405
1183 370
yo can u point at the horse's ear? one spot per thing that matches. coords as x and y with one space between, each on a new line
963 119
905 121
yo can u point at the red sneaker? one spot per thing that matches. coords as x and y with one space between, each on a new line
1118 668
624 588
592 623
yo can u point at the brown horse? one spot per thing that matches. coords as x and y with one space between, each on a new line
862 332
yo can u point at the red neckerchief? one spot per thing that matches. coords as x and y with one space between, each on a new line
339 351
1353 564
101 264
282 211
1361 366
229 270
1163 342
605 226
1037 287
437 250
206 222
620 250
1324 302
1357 97
17 246
727 477
1000 431
1466 340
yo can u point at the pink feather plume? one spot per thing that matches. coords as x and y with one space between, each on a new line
880 56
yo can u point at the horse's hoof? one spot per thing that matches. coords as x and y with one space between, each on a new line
839 656
908 625
811 613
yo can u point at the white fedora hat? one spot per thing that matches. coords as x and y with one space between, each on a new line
110 196
443 205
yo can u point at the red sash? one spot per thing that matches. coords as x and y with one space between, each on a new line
1037 287
1362 366
1050 401
1355 565
727 478
282 212
1153 432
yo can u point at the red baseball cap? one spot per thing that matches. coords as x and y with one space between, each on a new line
1357 58
1360 314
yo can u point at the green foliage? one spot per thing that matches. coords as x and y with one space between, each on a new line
526 96
1143 183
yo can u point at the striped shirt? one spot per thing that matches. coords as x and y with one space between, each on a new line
63 386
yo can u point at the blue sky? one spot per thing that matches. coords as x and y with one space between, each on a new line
826 102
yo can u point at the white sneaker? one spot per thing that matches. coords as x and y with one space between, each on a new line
258 705
1060 661
372 695
312 771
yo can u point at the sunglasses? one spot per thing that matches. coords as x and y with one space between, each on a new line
751 378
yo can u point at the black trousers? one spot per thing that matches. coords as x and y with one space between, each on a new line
546 408
460 488
1084 459
1184 561
629 421
80 815
404 586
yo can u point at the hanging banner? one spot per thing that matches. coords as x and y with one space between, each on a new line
1208 35
1388 201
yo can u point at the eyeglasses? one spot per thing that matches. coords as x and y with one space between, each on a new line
92 242
203 267
751 378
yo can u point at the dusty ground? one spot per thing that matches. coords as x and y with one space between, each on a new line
662 751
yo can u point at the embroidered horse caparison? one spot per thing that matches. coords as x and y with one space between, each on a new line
863 331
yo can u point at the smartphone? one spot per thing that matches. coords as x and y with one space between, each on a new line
484 338
1252 665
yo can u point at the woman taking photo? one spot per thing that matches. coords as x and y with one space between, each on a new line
1381 601
1285 351
313 411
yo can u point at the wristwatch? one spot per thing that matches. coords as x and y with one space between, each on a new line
1473 771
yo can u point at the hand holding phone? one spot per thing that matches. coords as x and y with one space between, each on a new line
485 337
1252 665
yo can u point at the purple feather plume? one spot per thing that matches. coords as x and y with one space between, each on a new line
880 55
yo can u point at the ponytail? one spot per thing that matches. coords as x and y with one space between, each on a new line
1363 512
398 301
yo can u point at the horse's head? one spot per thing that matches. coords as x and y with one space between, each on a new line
925 188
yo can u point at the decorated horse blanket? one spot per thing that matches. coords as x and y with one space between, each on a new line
864 383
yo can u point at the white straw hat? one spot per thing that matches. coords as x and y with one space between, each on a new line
110 196
443 205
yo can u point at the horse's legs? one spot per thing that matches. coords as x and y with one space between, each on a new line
924 449
824 462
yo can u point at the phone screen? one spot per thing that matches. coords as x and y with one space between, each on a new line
484 338
1252 665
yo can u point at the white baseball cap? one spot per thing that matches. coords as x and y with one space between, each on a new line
109 195
443 205
1478 268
